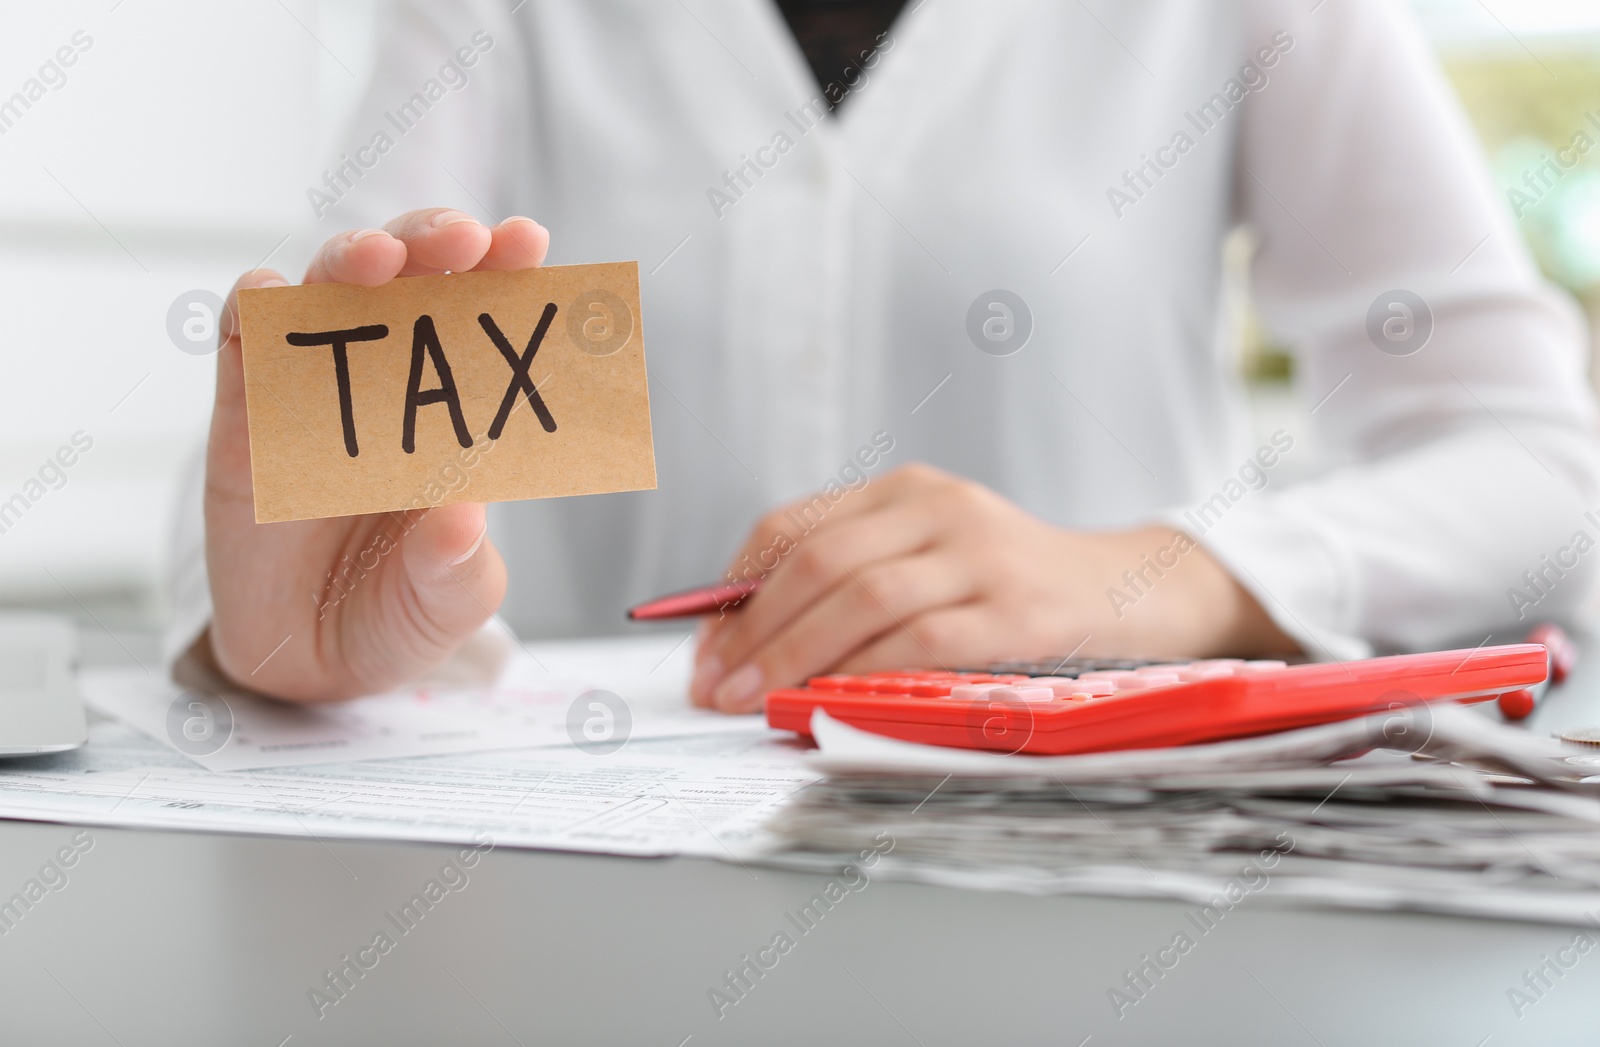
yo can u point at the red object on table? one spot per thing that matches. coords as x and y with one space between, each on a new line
1518 704
691 602
1150 707
1563 652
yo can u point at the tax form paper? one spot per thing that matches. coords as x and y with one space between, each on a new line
619 767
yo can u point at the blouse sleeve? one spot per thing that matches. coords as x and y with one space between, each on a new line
1446 382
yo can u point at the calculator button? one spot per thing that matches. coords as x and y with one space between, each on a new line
1129 686
1026 668
1063 687
1157 679
1143 683
1000 692
1193 673
1018 693
857 685
967 692
1117 676
829 683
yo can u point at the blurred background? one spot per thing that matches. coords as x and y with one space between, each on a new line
175 151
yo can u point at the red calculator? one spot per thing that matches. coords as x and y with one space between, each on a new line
1088 705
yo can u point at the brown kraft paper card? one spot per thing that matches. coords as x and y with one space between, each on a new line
483 387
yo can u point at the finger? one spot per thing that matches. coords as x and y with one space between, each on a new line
788 524
417 243
427 582
228 449
456 577
703 632
365 257
781 530
802 573
713 627
863 607
228 326
516 243
863 601
948 637
439 240
805 517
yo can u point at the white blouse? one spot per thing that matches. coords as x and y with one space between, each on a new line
1003 255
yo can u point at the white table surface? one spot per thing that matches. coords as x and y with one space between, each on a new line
177 938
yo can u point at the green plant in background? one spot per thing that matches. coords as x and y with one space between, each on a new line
1539 120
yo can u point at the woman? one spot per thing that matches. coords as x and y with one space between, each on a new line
997 267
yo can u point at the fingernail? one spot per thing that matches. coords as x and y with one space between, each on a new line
363 234
530 221
444 218
739 688
274 281
706 676
464 557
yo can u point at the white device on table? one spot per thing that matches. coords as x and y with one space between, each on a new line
41 708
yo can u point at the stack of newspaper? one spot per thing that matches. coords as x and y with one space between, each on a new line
1437 809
